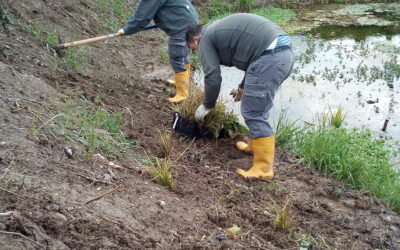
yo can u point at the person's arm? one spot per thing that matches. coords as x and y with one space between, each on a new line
144 13
212 71
241 85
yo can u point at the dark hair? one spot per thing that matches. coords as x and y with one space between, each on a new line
192 31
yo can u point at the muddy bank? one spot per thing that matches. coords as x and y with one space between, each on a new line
81 202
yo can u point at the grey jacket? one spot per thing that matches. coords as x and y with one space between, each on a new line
236 40
169 15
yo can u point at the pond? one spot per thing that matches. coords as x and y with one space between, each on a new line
353 67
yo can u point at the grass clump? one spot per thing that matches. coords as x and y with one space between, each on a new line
218 121
354 157
114 13
76 58
46 37
51 39
164 56
282 219
244 5
165 141
276 15
96 129
218 9
287 133
338 117
160 170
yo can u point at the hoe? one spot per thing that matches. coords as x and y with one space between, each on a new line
94 39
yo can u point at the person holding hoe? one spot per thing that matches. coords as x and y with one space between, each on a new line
263 50
173 17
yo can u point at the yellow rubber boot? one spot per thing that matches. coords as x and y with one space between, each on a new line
263 159
188 67
242 146
182 87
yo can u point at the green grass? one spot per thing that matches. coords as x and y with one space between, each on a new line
244 5
287 133
97 129
42 35
218 9
354 157
276 15
164 56
51 39
76 58
114 13
195 59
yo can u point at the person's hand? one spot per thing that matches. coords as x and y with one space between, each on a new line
237 94
121 31
200 113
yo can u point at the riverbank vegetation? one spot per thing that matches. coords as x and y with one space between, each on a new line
354 156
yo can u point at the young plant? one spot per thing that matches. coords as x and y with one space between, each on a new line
164 56
51 39
338 117
160 170
75 58
283 219
217 122
165 140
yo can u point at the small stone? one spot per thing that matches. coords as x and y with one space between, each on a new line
162 204
107 177
221 236
69 151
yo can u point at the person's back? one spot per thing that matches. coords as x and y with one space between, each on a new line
238 39
264 51
171 16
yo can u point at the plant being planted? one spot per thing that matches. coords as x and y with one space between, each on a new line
218 122
160 171
165 141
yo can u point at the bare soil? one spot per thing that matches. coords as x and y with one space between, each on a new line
55 196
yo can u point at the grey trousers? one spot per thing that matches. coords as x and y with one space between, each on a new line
178 51
263 78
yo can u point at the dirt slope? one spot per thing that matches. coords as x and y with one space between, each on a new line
53 194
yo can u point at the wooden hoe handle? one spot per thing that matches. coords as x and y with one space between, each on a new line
86 41
94 39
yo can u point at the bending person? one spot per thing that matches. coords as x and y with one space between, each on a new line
261 48
173 17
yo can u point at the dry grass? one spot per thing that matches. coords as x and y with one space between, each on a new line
165 141
282 218
160 170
